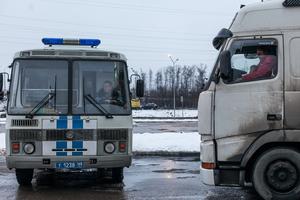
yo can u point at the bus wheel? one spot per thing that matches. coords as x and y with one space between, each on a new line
117 175
24 176
101 172
276 174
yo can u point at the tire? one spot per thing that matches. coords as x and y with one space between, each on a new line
117 175
276 174
24 176
101 172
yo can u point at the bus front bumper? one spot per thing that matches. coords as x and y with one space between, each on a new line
89 162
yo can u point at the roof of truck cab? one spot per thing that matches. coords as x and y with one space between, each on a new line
66 51
266 16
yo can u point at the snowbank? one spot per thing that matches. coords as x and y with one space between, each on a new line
164 113
170 142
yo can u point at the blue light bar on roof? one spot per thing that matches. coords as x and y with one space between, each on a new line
62 41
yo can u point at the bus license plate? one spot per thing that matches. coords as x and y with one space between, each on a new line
69 165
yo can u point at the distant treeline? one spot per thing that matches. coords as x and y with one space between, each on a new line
188 82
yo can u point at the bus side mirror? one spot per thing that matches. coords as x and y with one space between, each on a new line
140 88
225 65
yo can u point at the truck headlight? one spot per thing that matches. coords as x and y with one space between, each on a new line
29 148
109 147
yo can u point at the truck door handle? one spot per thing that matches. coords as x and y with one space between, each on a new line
274 117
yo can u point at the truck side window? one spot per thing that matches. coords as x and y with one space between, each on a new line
253 60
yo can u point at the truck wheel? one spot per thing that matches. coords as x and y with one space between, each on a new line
24 176
117 175
276 174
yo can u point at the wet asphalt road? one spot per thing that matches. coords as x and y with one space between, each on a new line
147 178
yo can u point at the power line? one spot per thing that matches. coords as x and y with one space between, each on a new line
136 51
138 8
107 34
134 29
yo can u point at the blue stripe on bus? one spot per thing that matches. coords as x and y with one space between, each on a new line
77 153
61 144
77 144
60 153
63 117
62 122
77 124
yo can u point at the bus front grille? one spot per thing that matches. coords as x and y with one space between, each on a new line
54 135
25 135
24 123
112 134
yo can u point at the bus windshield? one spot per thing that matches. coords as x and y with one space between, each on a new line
105 83
95 84
33 80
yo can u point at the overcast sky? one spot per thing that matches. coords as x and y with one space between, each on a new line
145 31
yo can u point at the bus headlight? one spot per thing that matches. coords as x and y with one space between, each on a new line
29 148
109 147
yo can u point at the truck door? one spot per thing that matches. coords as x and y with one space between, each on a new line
250 101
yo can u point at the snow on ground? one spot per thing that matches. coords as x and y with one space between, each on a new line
163 120
149 142
170 142
165 113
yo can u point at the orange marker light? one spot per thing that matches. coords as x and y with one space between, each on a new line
15 147
206 165
122 146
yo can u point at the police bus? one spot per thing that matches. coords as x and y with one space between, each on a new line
69 109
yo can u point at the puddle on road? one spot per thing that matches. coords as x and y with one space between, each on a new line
143 165
185 177
44 180
177 171
186 159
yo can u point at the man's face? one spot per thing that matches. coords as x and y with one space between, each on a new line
260 52
107 87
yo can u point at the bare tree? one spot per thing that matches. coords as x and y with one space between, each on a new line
188 81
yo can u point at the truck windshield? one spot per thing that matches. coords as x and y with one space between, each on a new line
32 80
103 81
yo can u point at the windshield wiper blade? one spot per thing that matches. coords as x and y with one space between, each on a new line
98 106
41 104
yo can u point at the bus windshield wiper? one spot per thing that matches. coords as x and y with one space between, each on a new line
41 104
44 101
98 106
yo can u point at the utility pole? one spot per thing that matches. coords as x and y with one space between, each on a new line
174 61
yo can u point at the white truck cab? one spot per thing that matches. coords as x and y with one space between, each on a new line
249 112
69 109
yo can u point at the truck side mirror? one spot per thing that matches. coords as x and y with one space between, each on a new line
1 86
1 81
225 65
140 88
222 36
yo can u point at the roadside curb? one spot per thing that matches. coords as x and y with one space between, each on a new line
165 154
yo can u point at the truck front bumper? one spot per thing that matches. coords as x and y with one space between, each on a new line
36 162
207 176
